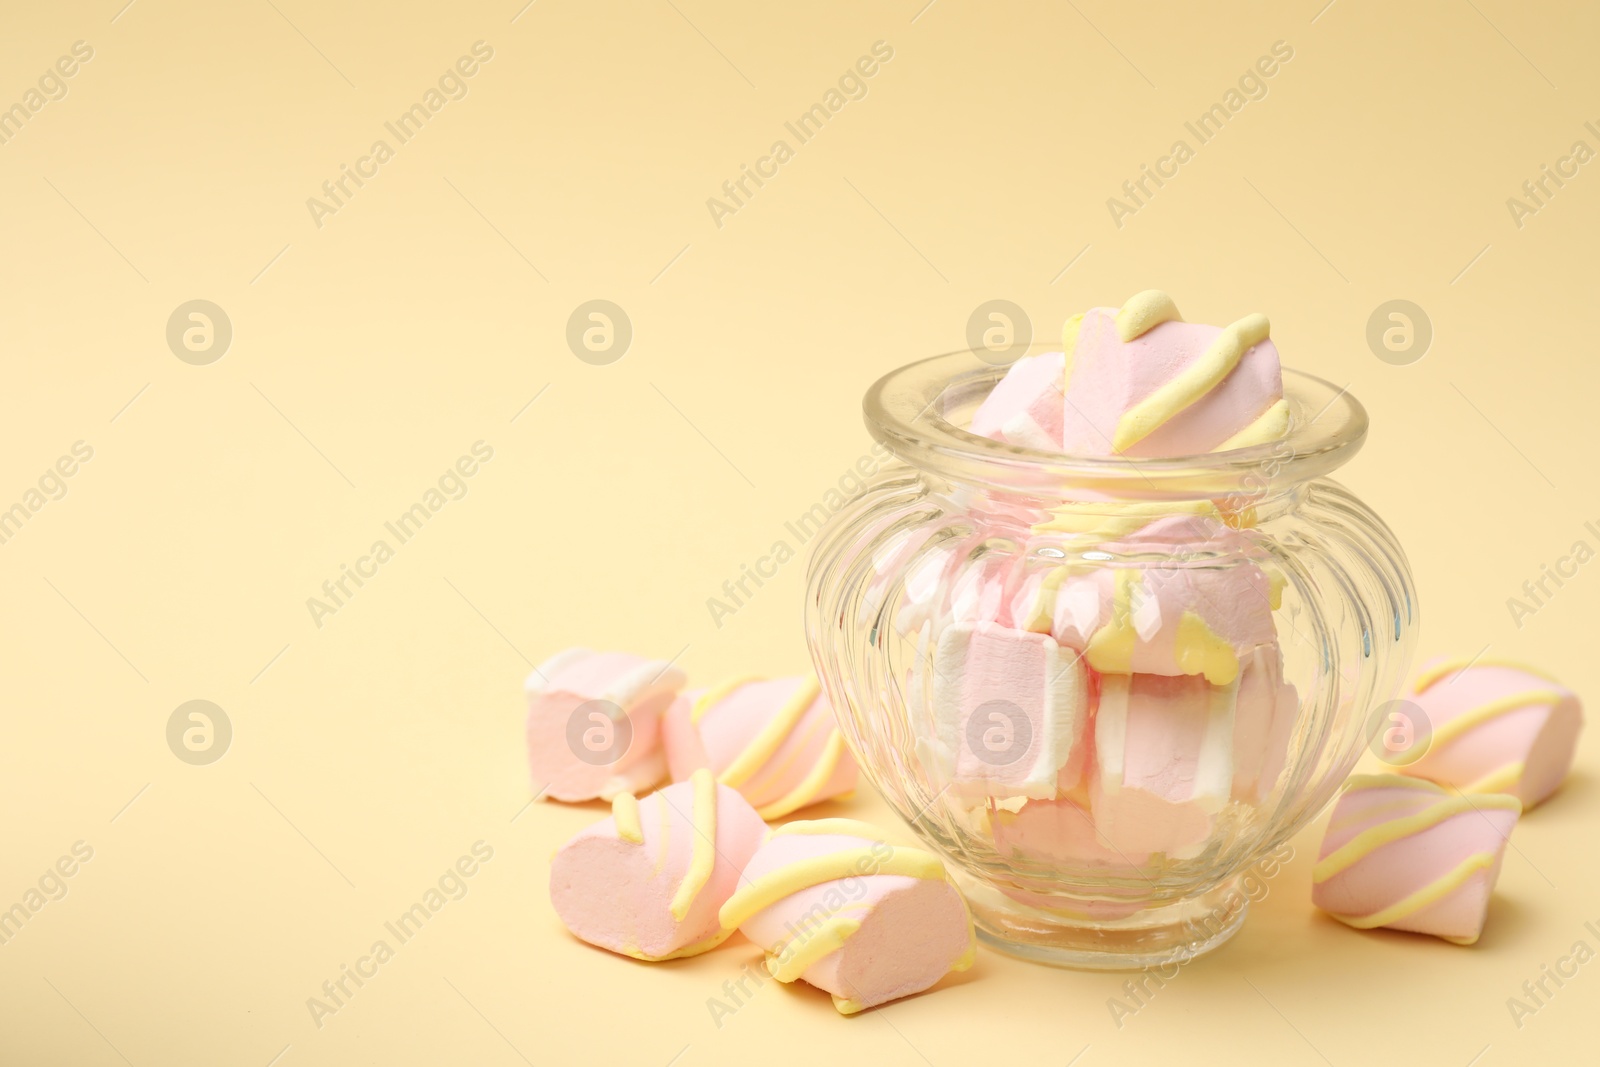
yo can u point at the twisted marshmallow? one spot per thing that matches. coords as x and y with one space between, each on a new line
648 881
832 903
774 740
1497 727
1406 854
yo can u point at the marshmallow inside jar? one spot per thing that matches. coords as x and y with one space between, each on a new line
1010 706
1104 634
1100 684
1109 694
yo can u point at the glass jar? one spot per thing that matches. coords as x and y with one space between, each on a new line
1106 690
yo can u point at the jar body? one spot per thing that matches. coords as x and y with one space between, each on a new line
1108 714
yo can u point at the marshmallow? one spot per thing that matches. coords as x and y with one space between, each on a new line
1010 710
1025 407
887 564
1404 853
924 583
1163 761
773 740
594 723
649 881
1172 620
1139 381
1050 833
1263 724
979 590
1497 727
832 903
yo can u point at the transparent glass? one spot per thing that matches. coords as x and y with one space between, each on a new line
1106 690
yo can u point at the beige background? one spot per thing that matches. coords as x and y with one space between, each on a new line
368 354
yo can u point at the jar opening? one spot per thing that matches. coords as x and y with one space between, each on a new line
921 412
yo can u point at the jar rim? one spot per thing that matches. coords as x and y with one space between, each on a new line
911 411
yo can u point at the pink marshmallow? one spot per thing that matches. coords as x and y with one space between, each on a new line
1163 765
1010 710
1406 854
774 740
1263 724
1025 406
649 880
834 904
923 586
1155 619
887 564
594 723
1050 833
1496 727
1108 377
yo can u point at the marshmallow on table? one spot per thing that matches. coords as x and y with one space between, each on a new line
833 903
1406 854
1497 727
1163 761
649 880
1025 407
1010 710
1139 381
774 740
594 723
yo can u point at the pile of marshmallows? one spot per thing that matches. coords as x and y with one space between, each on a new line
1154 702
1150 703
834 902
1421 850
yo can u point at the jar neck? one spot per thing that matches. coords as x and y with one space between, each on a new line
1244 507
921 410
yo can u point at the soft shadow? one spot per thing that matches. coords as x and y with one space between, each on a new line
1510 920
1578 789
